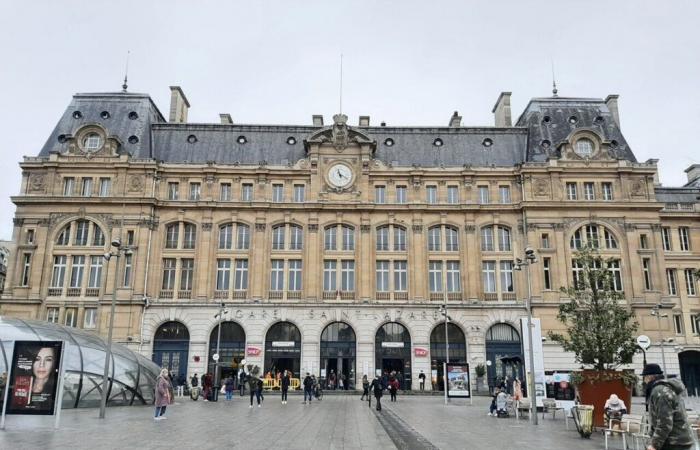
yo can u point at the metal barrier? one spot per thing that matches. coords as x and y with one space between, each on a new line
272 384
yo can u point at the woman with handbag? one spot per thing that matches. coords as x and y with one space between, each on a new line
163 394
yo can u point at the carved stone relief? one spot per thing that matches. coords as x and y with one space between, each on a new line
136 183
541 187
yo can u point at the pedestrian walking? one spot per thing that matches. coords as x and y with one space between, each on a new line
284 385
207 385
331 380
181 383
365 388
308 387
260 392
253 388
163 399
241 382
228 387
421 379
377 388
667 417
393 388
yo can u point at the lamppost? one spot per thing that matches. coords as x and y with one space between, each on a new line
530 258
656 311
443 310
117 251
217 357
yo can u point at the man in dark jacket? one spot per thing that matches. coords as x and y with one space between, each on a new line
284 384
377 387
308 387
667 417
242 380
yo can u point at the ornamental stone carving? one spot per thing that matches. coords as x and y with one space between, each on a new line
469 229
365 228
638 188
259 227
313 228
340 131
206 226
37 182
541 187
136 183
417 228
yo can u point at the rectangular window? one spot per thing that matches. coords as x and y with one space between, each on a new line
195 191
278 193
614 269
643 241
59 271
401 196
435 276
296 241
488 276
299 193
173 191
589 191
278 237
503 239
294 275
666 237
451 239
105 187
186 274
694 323
507 276
545 240
382 276
577 274
400 276
329 276
243 237
81 232
383 239
71 317
68 186
399 239
678 323
504 193
189 237
30 236
129 237
330 238
240 281
690 282
247 192
454 279
77 271
277 275
546 268
646 269
128 269
487 239
672 285
225 192
452 195
434 235
347 276
379 194
607 191
483 195
348 238
90 319
168 274
431 194
223 274
26 266
684 237
571 191
87 187
52 315
95 276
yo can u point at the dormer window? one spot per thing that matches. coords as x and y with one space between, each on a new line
584 148
92 142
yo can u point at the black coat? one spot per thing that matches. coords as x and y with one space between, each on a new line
377 388
285 382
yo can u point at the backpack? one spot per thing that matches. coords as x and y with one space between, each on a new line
194 382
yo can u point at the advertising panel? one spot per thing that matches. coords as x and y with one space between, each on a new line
34 377
540 386
458 381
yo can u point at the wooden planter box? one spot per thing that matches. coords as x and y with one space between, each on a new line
597 388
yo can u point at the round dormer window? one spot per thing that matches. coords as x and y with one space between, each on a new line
92 142
584 148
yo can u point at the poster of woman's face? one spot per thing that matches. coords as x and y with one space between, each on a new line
34 377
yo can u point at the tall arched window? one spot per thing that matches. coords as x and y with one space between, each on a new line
497 280
591 234
391 273
234 235
286 268
232 262
178 269
339 238
287 237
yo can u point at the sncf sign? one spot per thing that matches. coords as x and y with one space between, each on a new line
418 351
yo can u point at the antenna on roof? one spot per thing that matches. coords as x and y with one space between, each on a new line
126 71
341 83
554 82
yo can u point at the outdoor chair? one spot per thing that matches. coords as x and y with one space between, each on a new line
549 405
522 406
629 424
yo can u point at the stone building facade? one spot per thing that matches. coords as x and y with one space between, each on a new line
332 246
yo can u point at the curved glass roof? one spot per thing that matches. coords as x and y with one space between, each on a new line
133 377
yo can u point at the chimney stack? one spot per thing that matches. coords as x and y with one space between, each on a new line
226 119
178 105
501 110
364 121
455 120
611 103
317 120
693 173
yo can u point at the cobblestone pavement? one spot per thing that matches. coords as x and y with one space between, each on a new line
337 422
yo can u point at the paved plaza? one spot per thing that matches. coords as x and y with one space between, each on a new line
337 422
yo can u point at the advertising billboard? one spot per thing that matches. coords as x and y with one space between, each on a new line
458 381
34 377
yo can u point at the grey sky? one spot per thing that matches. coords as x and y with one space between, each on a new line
405 62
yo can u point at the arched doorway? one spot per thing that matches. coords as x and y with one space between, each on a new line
458 350
283 349
231 348
171 344
504 352
338 355
690 371
392 351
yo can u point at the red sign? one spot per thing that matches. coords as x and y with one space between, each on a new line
252 351
196 358
420 351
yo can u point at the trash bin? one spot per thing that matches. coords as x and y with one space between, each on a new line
583 418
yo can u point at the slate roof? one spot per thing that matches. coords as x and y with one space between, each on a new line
590 113
677 195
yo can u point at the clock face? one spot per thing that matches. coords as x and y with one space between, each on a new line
340 175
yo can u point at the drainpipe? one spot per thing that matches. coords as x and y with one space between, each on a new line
148 260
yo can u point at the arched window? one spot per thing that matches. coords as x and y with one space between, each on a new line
439 233
172 234
391 238
230 231
339 234
502 332
591 235
81 233
495 238
190 236
584 148
293 234
434 241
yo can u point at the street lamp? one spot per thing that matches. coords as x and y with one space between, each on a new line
217 357
530 258
443 310
656 311
117 251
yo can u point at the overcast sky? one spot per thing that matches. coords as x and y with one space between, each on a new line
405 62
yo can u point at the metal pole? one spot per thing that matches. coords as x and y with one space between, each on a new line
108 351
447 354
531 347
661 338
218 344
61 382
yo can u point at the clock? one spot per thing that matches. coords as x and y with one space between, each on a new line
340 175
